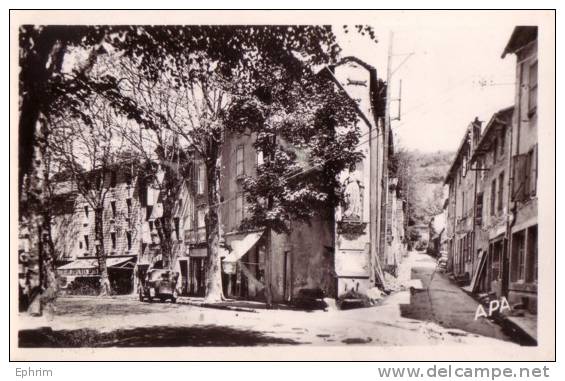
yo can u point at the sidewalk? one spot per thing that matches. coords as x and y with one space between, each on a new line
523 328
444 303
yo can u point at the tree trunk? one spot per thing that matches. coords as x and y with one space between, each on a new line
105 288
214 291
268 269
49 281
44 287
164 232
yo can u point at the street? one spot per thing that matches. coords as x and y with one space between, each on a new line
445 315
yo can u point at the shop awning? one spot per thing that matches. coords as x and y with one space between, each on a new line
89 266
241 245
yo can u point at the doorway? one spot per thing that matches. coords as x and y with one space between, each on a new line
183 263
197 277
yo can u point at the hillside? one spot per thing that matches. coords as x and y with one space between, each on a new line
422 175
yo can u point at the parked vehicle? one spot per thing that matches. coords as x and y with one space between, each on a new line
159 284
442 262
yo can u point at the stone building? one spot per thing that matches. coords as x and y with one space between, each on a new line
334 253
460 226
75 242
523 248
490 161
492 221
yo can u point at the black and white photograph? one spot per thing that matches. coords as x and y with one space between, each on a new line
366 184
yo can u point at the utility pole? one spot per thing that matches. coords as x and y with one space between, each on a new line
386 132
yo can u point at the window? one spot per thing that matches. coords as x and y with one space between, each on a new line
113 238
495 153
463 211
239 165
128 239
500 191
201 217
479 210
80 245
86 243
86 211
151 225
530 175
464 166
113 179
532 255
519 252
113 206
532 88
128 204
176 222
239 208
493 197
128 178
260 159
200 176
502 143
480 168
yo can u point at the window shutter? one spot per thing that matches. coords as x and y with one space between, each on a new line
518 184
534 171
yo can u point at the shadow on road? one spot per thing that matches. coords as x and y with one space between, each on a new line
447 305
155 336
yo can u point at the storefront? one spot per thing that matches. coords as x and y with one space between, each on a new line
243 266
195 270
82 276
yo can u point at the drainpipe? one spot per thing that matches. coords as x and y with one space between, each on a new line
511 219
474 224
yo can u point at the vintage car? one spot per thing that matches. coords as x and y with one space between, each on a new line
159 284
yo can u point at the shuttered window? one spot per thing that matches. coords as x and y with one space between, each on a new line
479 210
500 191
525 175
493 197
532 88
239 167
200 177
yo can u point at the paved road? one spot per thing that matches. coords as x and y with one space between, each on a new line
443 302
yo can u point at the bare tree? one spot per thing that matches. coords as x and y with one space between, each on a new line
88 149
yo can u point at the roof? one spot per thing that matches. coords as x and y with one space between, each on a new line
501 117
376 86
522 35
460 150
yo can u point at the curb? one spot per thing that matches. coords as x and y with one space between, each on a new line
216 306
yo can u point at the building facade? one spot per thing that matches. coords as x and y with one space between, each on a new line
460 211
491 162
338 251
523 249
74 237
492 222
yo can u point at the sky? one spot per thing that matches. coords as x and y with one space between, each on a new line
441 80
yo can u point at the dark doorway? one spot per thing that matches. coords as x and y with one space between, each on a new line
197 277
184 277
